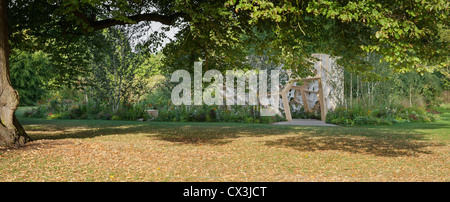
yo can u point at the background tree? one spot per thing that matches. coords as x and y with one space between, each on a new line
382 86
31 74
116 73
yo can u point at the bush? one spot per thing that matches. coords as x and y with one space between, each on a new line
240 114
57 108
36 113
380 116
115 118
72 109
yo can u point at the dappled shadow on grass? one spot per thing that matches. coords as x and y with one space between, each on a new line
195 135
360 145
188 133
379 141
218 134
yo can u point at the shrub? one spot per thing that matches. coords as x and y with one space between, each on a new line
115 118
56 116
383 115
36 113
94 109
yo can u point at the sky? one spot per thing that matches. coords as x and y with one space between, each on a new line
155 26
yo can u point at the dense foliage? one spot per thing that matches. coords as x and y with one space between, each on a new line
381 115
390 50
31 75
60 108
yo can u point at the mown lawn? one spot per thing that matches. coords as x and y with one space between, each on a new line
80 150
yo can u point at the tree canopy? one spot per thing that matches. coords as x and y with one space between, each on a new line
405 33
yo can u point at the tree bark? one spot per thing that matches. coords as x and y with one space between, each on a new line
11 131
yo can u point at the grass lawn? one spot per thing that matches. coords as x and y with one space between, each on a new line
91 150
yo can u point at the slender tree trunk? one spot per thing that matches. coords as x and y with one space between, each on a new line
368 94
11 131
410 95
357 87
351 90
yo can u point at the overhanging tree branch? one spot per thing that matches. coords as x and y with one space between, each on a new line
102 24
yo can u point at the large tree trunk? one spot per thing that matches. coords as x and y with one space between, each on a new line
11 131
